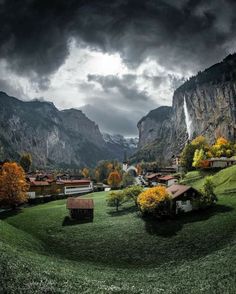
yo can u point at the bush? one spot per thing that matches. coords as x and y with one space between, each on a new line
132 193
127 180
115 199
208 197
155 201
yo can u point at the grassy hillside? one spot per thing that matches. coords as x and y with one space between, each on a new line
224 180
42 251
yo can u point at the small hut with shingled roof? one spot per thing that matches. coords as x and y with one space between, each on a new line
80 208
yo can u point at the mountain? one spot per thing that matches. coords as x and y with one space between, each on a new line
54 138
118 145
203 105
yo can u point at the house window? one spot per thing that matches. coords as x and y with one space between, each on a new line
183 202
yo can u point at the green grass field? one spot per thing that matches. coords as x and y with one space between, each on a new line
42 251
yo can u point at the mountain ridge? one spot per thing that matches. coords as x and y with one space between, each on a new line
55 138
210 101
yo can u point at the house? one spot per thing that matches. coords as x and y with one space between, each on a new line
152 179
185 198
167 180
221 162
73 187
80 208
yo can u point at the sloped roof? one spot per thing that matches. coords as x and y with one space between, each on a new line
177 190
39 183
79 203
75 182
167 178
152 176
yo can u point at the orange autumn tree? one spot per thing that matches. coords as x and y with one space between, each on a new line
222 148
155 201
13 185
114 179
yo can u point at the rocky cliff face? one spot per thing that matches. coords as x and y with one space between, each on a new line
204 105
54 138
119 145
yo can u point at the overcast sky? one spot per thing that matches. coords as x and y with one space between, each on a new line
116 60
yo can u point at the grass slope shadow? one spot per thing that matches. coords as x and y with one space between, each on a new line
170 227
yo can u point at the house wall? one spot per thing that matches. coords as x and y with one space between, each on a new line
171 182
31 194
183 205
71 190
221 164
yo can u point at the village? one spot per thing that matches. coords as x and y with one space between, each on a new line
45 186
87 213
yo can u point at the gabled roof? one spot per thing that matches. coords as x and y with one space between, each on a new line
167 178
39 183
177 190
152 176
79 203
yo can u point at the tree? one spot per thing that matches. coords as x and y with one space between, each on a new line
186 159
222 147
26 161
114 179
85 172
127 180
198 158
139 169
208 194
13 185
115 199
132 193
200 142
155 201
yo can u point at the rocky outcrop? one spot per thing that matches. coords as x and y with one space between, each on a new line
119 145
54 138
204 105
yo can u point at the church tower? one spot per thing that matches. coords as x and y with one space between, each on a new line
125 163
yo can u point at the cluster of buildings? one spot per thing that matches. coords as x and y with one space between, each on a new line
155 179
45 185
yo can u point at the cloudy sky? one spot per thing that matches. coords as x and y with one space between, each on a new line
116 60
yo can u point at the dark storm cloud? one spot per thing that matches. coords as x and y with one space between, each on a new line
15 91
111 119
34 34
125 85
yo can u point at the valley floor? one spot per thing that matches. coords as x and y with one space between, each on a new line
43 252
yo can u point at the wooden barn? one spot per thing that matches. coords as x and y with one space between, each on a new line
80 208
185 198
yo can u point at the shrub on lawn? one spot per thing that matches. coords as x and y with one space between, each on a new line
155 201
115 199
127 180
208 196
132 193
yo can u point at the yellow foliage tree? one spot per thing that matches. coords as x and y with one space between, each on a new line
222 147
114 179
155 201
85 172
221 141
13 185
199 141
198 158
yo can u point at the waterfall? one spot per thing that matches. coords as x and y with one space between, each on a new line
188 121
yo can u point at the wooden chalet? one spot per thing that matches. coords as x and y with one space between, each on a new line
152 179
221 162
167 180
184 198
76 187
80 208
